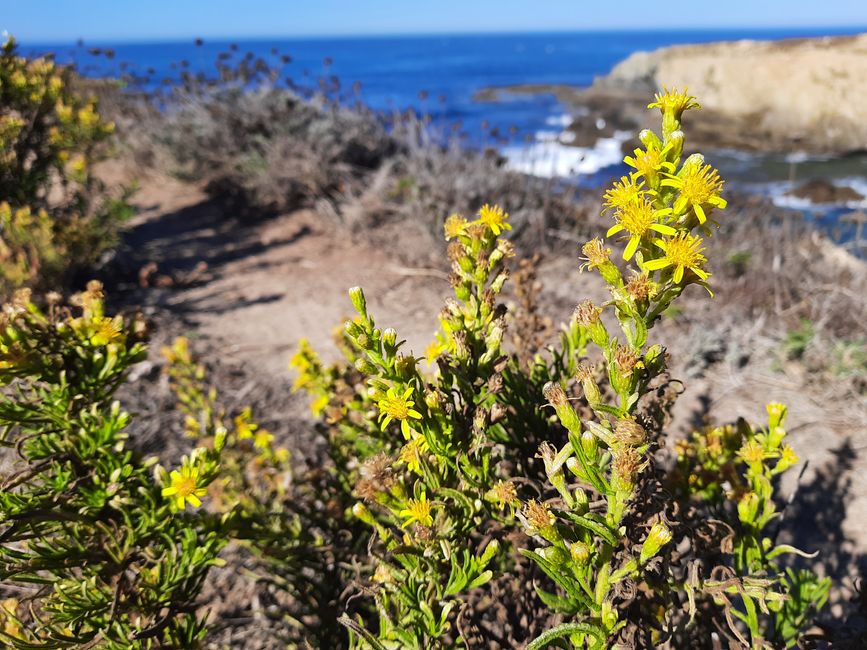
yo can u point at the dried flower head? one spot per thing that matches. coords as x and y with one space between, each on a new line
455 226
595 254
627 462
538 515
629 432
625 358
554 393
503 494
586 313
585 372
641 287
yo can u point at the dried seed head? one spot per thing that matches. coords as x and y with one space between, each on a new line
377 469
640 287
477 230
627 464
495 383
595 254
586 313
538 515
547 452
455 251
625 359
554 393
503 494
629 432
585 372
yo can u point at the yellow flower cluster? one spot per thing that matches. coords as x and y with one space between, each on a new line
658 205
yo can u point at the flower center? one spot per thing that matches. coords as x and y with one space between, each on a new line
637 218
185 486
396 408
684 251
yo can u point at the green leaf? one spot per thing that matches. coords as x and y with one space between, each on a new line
565 630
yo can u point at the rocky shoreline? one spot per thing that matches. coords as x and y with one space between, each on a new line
814 107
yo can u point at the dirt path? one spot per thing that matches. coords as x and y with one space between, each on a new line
253 291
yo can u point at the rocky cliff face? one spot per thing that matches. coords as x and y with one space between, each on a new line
808 94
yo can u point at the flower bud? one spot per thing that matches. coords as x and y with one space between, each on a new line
658 537
364 366
356 295
776 414
580 552
748 507
389 340
360 510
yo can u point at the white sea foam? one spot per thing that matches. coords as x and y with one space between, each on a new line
559 120
549 157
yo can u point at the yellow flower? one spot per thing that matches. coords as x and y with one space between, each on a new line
398 407
623 193
683 252
106 330
752 452
638 219
494 218
649 162
434 350
262 439
244 428
454 226
699 186
674 102
184 487
411 454
417 510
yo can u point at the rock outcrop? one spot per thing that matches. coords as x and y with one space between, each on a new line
808 94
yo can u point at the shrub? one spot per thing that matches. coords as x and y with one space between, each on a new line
432 470
55 215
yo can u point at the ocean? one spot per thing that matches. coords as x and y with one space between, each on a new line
440 76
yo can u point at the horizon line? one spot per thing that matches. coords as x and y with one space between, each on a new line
839 30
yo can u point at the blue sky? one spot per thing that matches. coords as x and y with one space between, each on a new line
121 20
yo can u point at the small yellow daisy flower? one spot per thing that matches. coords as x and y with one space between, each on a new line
106 330
699 187
683 252
455 226
494 218
623 193
398 407
411 454
648 163
184 487
417 510
638 219
262 439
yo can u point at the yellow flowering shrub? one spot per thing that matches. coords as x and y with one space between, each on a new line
477 478
55 215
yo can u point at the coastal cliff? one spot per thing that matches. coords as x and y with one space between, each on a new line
804 92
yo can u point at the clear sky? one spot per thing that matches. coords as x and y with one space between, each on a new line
121 20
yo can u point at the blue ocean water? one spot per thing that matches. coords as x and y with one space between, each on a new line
437 75
440 75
